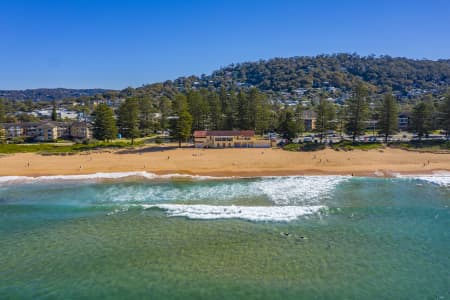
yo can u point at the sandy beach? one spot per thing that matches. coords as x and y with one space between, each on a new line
229 162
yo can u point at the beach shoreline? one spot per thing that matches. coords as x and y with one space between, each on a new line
229 163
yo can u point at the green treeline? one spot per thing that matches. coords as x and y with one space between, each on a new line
194 110
250 109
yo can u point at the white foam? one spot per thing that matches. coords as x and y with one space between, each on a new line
435 179
99 176
298 189
441 178
7 179
251 213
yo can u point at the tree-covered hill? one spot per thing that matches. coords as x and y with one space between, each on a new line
291 78
322 75
340 71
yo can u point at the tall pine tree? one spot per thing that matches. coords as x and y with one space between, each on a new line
357 111
165 108
421 119
326 113
215 111
243 111
128 119
182 124
146 113
104 123
199 109
387 116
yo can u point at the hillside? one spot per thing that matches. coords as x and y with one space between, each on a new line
297 78
289 78
340 71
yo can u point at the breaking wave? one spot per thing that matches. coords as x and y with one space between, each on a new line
284 190
99 176
284 198
288 190
438 180
251 213
295 190
441 178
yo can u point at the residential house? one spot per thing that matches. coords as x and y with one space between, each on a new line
38 131
81 130
47 132
51 131
13 130
30 129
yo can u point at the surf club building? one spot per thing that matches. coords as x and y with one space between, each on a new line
228 139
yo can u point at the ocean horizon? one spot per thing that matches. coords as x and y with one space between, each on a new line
140 235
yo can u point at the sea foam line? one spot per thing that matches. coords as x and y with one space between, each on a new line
251 213
438 180
298 189
101 176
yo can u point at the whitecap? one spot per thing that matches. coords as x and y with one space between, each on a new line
298 189
438 180
293 190
251 213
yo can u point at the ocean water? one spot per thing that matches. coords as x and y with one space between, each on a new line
142 236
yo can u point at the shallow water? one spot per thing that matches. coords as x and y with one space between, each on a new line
313 237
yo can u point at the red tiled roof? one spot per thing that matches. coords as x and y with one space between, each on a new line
248 133
200 133
222 133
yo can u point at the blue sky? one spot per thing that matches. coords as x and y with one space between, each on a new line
115 44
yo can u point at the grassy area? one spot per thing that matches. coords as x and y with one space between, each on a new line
59 149
348 146
304 147
423 145
291 147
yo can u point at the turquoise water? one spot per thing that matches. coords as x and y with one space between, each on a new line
259 238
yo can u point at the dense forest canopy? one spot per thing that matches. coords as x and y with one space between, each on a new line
339 70
338 73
